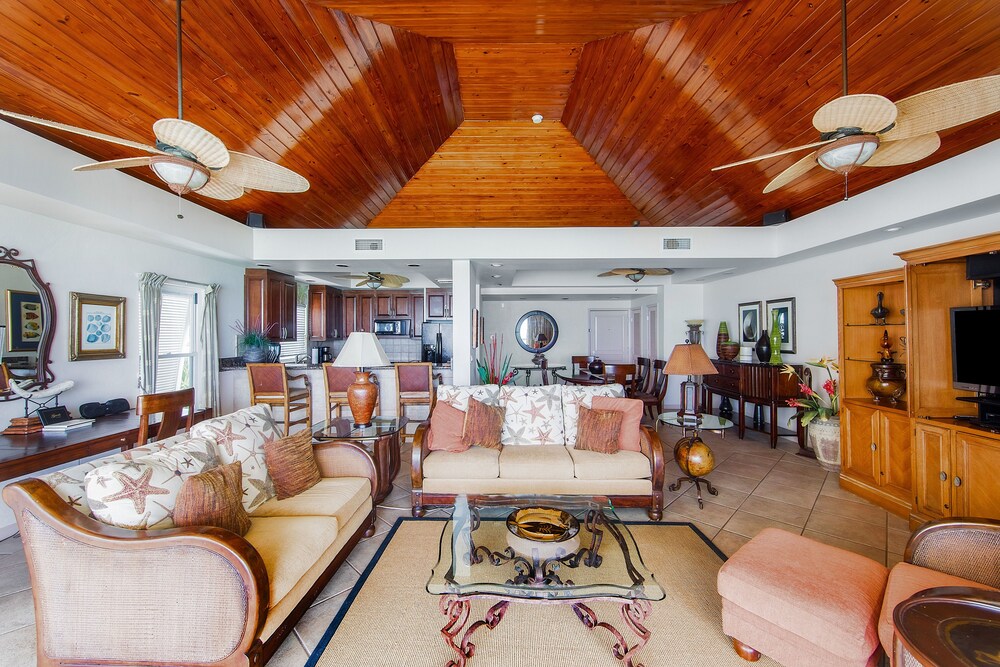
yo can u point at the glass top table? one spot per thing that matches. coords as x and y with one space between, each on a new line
707 422
344 429
514 548
381 441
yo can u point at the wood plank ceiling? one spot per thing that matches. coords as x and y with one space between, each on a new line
359 95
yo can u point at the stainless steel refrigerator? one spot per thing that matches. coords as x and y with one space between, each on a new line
437 351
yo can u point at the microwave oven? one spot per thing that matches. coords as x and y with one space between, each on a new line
392 327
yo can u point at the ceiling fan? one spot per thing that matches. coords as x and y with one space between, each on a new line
187 157
871 130
376 279
635 275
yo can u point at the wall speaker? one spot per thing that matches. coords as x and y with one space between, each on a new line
980 267
776 217
255 220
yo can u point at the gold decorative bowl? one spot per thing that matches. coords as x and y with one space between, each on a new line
542 524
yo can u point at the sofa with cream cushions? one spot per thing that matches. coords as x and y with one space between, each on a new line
539 451
116 582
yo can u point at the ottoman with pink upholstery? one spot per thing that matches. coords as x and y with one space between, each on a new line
801 602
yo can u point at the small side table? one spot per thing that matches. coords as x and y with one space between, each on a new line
528 370
380 441
954 625
692 454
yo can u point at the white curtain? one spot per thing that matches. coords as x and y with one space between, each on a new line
208 349
150 296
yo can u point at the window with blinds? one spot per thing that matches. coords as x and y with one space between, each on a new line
176 355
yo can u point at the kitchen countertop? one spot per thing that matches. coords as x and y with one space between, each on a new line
239 366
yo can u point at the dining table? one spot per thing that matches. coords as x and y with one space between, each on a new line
583 378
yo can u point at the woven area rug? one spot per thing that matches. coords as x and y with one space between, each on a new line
390 619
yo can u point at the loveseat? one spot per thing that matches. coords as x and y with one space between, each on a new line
193 595
538 453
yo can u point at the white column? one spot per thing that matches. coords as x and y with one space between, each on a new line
463 290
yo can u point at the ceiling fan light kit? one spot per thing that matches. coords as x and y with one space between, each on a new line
181 175
843 155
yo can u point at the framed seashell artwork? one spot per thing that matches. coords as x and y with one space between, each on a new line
97 327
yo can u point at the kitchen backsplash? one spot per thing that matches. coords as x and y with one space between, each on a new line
396 348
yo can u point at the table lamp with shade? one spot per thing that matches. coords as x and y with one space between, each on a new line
362 350
689 359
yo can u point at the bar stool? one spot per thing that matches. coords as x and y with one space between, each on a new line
415 386
336 379
171 405
269 385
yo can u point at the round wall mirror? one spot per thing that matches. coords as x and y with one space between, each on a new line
26 328
536 331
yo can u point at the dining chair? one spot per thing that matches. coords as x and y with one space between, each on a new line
169 404
642 367
415 386
652 397
580 363
623 374
270 385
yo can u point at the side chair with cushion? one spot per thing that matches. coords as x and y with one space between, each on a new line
652 396
623 374
415 386
170 404
270 385
579 363
642 366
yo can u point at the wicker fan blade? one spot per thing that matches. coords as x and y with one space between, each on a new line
793 172
393 278
115 164
658 272
219 189
254 173
364 283
948 106
871 113
207 148
607 274
86 133
905 151
767 156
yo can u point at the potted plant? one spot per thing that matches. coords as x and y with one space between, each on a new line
253 341
818 413
493 366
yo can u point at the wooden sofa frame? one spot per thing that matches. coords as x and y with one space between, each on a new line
649 443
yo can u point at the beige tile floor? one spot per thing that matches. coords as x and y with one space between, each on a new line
758 487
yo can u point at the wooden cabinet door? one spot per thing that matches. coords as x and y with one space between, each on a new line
436 304
975 483
417 314
366 312
895 472
383 305
350 314
932 482
318 311
289 302
335 314
860 451
401 306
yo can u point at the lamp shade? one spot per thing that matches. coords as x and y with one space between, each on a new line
362 349
689 359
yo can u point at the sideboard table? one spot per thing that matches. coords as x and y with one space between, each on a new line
380 441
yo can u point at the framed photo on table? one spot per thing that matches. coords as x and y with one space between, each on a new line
786 321
749 323
97 327
24 321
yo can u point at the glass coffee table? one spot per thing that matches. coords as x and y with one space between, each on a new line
380 441
570 550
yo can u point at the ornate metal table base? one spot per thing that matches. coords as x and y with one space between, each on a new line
697 481
458 612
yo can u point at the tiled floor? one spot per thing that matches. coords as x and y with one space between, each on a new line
758 487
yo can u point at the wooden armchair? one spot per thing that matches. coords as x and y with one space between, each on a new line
269 383
623 374
652 397
171 405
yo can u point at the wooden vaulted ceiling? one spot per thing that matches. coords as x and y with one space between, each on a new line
417 114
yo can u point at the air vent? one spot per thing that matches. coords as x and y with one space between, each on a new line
367 244
676 244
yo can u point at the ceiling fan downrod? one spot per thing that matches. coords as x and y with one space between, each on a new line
180 67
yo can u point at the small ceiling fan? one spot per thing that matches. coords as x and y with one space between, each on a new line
871 130
635 275
376 279
189 158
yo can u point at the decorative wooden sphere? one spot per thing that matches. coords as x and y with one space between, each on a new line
694 457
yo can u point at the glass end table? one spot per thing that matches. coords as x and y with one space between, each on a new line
487 551
381 441
692 454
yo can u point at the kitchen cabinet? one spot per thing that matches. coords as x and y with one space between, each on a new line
349 310
326 312
417 313
396 305
439 304
269 298
876 454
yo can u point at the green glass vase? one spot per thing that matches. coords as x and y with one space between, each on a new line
775 339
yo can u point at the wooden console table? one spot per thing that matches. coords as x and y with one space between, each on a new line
760 384
24 454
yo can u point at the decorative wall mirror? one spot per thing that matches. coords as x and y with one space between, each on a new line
28 322
536 332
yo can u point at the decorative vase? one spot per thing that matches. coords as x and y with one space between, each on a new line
763 347
254 355
729 350
721 338
596 367
880 312
823 438
887 381
775 357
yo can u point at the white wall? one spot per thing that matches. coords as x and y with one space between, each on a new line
500 318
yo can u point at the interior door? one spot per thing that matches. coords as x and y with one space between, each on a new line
635 328
609 335
652 333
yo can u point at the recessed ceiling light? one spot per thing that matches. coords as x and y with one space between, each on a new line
521 299
892 229
537 118
413 265
565 298
496 275
264 266
615 298
495 265
342 266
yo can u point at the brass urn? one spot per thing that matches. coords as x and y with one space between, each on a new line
887 381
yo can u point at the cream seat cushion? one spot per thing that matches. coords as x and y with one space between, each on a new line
290 546
474 463
620 465
538 462
338 497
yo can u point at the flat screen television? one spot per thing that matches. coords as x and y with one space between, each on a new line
974 361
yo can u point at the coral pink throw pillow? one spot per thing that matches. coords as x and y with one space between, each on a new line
628 437
447 423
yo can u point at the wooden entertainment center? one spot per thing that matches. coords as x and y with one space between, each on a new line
915 458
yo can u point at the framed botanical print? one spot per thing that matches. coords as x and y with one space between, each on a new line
786 321
749 322
97 327
25 322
